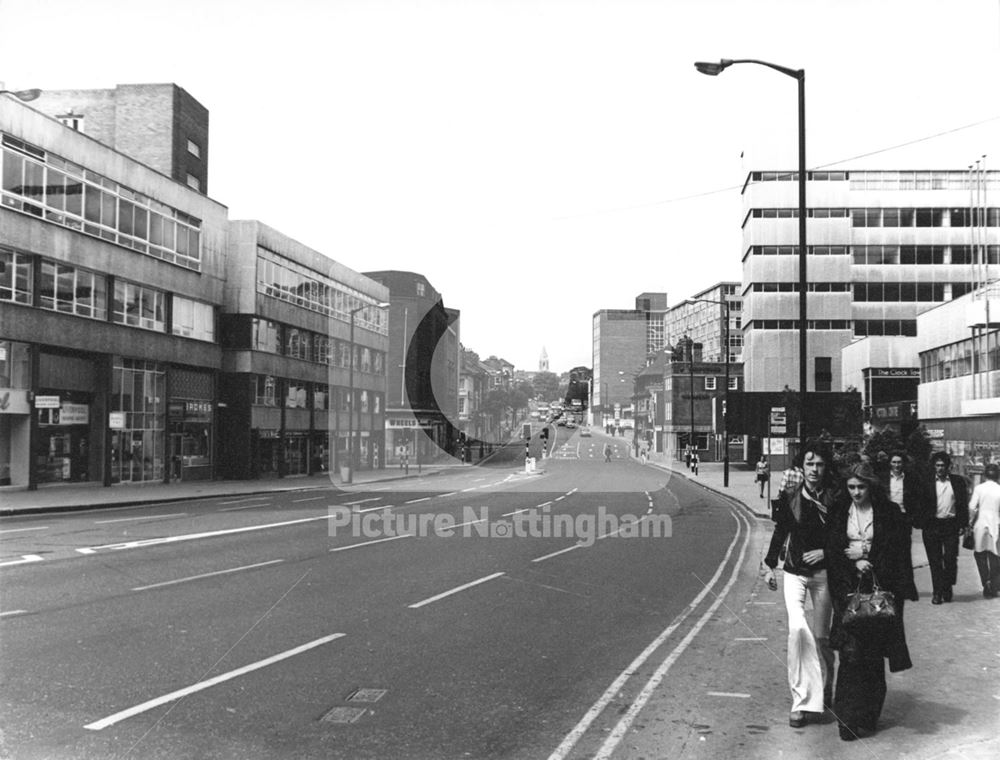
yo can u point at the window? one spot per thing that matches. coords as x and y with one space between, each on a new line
193 319
42 184
266 336
263 387
734 383
72 120
138 306
15 276
193 182
824 373
421 289
194 149
72 291
710 383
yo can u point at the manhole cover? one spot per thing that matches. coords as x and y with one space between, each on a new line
343 715
367 695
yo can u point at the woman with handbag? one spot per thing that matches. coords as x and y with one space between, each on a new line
799 543
868 550
984 529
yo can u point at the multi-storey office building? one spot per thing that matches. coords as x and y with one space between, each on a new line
883 246
958 399
622 338
111 277
287 381
423 366
703 319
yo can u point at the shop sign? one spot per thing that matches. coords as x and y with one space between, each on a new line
74 414
936 433
778 421
13 401
47 402
896 372
267 433
197 408
402 423
116 420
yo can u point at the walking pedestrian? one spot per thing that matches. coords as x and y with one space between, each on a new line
763 470
946 514
799 543
607 452
867 546
695 461
984 522
905 491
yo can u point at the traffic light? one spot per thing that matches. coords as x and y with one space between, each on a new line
544 435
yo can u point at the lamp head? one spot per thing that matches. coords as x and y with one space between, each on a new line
713 69
24 95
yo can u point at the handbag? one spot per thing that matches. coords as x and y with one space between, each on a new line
870 612
969 541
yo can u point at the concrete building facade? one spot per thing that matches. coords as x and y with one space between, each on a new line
883 247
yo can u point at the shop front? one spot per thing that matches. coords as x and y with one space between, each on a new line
138 446
15 413
190 439
63 445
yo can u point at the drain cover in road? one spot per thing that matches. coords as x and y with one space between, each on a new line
367 695
343 715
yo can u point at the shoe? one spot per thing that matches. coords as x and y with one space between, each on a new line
796 719
936 599
946 595
848 733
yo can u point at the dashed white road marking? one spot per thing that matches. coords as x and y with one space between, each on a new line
311 498
22 530
556 554
417 501
369 543
360 501
735 694
455 590
249 498
12 612
442 495
146 517
207 575
245 506
750 638
25 559
120 716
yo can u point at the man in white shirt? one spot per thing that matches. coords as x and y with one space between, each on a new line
946 515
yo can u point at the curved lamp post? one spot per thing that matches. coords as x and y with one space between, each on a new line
350 393
714 69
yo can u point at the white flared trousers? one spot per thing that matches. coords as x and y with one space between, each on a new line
806 645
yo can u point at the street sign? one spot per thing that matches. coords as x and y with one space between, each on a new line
46 402
778 421
116 420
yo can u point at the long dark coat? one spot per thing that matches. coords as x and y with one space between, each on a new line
890 558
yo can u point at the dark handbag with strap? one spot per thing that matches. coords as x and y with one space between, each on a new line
869 612
969 540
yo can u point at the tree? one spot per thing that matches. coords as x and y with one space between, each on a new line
546 385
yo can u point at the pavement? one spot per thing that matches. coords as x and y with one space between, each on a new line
946 707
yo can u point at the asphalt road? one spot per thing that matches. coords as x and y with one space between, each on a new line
489 614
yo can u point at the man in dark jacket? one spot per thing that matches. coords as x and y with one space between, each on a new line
945 514
904 488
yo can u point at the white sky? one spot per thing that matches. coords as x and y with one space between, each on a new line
535 160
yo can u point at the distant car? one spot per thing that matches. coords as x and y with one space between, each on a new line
570 424
585 432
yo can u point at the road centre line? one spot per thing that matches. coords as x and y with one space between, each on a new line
146 517
13 612
417 501
574 736
517 512
193 536
249 498
369 543
207 575
738 695
360 501
442 495
371 509
25 559
556 554
21 530
245 506
98 725
750 638
455 590
311 498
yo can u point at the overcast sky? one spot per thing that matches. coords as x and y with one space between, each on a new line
537 161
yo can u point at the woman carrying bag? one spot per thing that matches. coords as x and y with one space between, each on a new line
868 547
984 529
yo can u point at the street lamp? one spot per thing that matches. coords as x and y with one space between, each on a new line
714 69
725 410
350 392
23 95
